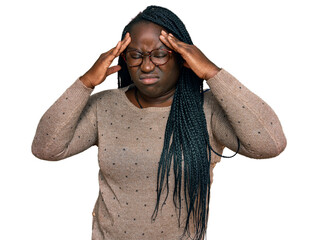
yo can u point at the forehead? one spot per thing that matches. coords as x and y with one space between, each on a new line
145 36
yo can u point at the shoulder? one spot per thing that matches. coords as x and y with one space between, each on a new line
110 96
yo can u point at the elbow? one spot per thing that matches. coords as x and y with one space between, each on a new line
281 145
265 150
42 152
277 143
276 148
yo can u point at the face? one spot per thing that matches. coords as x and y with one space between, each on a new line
152 81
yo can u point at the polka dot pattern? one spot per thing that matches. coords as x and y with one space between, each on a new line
130 141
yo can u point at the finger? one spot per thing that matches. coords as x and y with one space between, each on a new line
112 70
127 35
114 52
166 42
126 38
107 58
117 49
111 51
163 37
175 43
125 43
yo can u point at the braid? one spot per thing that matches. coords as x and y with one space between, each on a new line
186 141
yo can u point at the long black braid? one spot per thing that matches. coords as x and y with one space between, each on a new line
186 140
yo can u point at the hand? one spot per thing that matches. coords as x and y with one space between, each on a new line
100 70
192 56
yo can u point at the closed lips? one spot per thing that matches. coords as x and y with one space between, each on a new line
148 80
148 77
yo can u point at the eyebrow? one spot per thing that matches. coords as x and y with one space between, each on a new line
135 49
130 48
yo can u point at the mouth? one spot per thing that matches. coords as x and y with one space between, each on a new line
148 80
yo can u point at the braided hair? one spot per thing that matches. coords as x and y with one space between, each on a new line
186 141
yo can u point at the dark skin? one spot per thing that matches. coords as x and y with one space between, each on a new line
159 90
145 37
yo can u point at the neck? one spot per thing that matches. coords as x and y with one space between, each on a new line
162 101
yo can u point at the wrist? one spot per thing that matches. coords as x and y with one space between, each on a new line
212 72
85 80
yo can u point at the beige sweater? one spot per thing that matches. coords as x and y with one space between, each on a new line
130 142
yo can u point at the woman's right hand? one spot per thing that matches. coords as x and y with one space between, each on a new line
100 70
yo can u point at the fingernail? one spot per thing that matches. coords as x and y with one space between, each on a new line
170 34
164 32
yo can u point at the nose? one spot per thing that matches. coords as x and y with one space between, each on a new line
147 65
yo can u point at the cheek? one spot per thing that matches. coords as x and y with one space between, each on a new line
169 74
172 74
133 74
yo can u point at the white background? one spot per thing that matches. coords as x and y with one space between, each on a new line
270 46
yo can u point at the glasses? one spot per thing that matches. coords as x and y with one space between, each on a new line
158 57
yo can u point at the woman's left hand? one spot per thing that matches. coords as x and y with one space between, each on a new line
193 57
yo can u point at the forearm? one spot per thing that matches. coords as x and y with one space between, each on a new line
250 118
57 126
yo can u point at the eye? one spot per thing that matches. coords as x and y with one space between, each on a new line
135 55
159 54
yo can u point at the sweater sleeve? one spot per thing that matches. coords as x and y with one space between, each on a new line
239 113
69 126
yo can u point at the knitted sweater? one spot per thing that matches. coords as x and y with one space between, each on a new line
130 141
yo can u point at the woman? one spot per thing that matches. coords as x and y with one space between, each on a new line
158 119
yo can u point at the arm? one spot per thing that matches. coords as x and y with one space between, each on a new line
237 113
240 113
68 126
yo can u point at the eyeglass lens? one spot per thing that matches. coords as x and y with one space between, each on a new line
157 56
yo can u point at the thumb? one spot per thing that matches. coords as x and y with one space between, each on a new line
112 70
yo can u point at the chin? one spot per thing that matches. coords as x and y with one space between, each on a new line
151 92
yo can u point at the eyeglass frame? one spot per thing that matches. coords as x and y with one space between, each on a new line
147 54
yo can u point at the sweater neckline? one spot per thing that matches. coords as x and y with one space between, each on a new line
123 91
